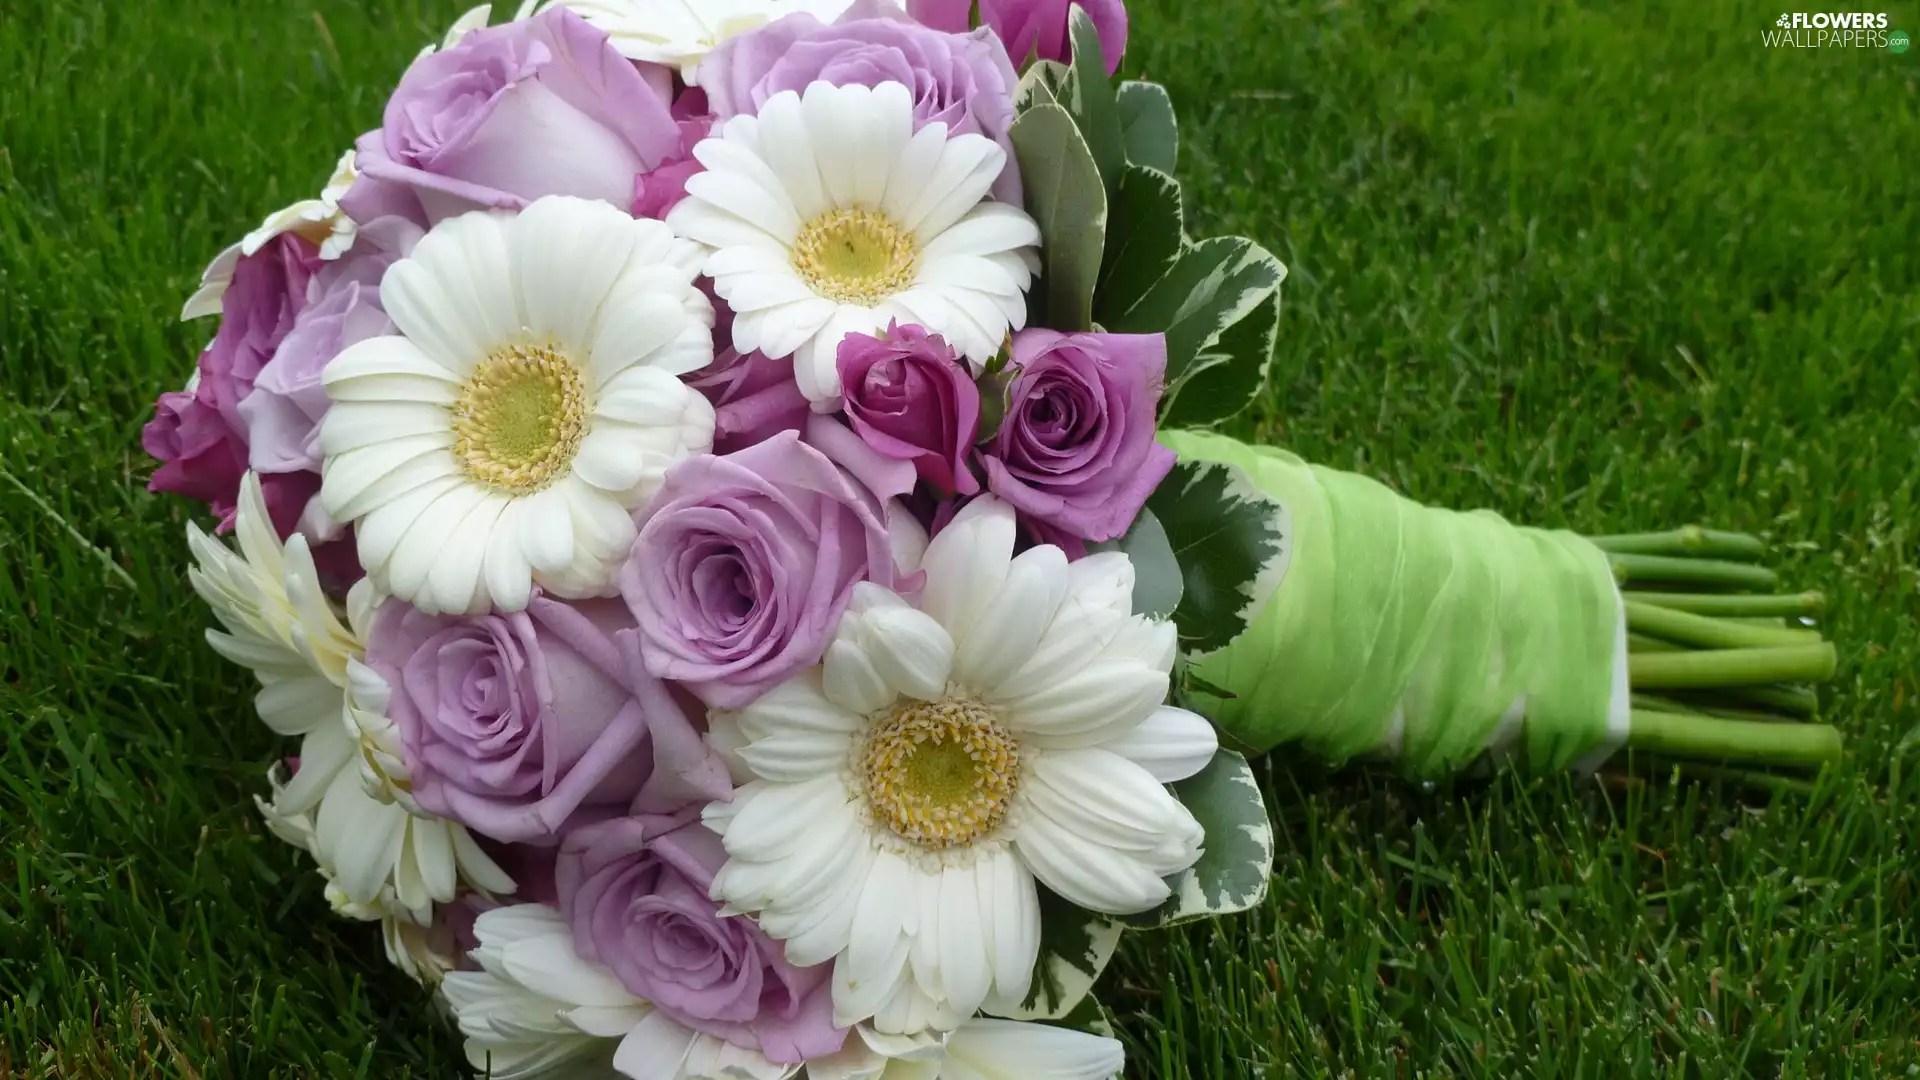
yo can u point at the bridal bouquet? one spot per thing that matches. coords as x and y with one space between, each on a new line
710 497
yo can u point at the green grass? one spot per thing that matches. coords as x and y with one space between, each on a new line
1596 266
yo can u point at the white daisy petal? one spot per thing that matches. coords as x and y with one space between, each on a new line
1009 1050
827 208
1171 744
472 452
1012 620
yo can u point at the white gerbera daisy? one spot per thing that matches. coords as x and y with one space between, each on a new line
320 221
829 215
980 1049
911 789
680 33
536 1009
529 403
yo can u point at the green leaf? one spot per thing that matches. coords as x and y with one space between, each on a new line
1146 231
1227 378
1089 98
1156 573
1232 543
1233 872
1064 194
1041 85
1089 1016
1075 946
1212 286
1148 130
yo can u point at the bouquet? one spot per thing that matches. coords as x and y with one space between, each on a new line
720 493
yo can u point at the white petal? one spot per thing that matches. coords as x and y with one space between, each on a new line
964 961
967 563
567 253
654 1049
454 295
1011 622
378 357
851 680
1171 744
1010 1050
425 546
1107 696
800 702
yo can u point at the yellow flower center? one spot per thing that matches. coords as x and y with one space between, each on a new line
519 419
940 775
856 256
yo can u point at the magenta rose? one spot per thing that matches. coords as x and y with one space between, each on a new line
1075 451
754 398
635 892
1033 28
541 106
199 435
521 725
909 396
744 564
963 80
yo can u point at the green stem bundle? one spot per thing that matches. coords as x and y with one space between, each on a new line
1721 666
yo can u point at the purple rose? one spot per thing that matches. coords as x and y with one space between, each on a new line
543 106
754 398
1034 28
658 191
963 80
283 413
744 564
909 396
1075 450
635 892
199 435
521 725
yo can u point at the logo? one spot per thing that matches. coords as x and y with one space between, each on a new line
1834 29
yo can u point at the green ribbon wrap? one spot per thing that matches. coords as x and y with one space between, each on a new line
1427 635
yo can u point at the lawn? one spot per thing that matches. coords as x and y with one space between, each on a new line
1590 265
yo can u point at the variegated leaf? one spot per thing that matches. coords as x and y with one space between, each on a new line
1224 380
1064 194
1146 231
1156 573
1231 541
1149 132
1088 96
1233 873
1040 85
1211 288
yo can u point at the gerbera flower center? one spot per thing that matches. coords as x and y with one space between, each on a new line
856 256
519 419
940 775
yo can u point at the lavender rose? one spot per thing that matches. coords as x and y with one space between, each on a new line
343 307
542 106
909 396
744 564
635 893
521 725
963 80
200 434
1075 451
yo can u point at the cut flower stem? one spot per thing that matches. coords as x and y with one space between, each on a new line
1705 631
1749 742
1803 603
1731 667
1689 541
1675 570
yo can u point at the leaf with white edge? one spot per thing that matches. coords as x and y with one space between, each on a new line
1156 573
1089 98
1223 381
1089 1016
1233 872
1041 85
1212 286
1148 129
1146 231
1064 194
1233 544
1075 946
